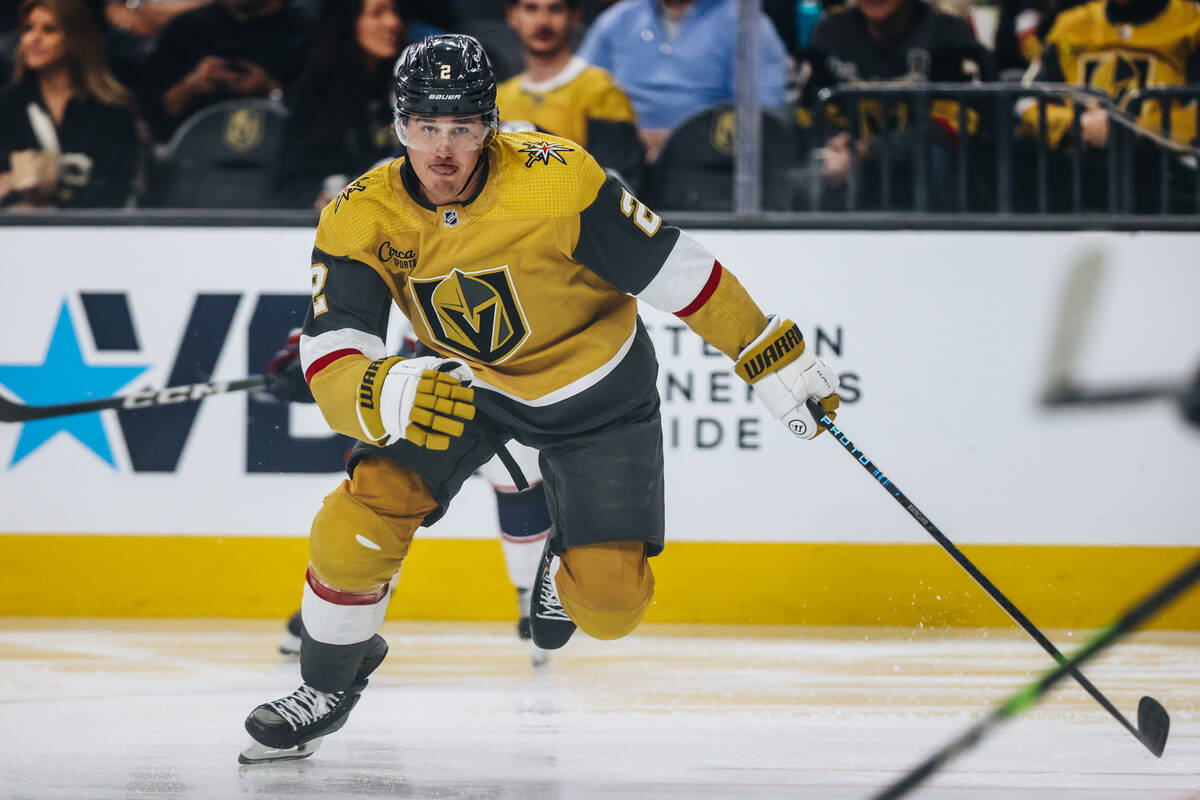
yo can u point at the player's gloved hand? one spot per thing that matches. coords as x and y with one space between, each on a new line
784 375
286 374
426 400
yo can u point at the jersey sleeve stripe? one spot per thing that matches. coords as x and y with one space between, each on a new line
683 278
318 352
710 286
325 360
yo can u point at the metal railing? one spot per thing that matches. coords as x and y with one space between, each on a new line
986 160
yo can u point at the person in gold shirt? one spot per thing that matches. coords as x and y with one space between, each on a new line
520 264
1119 47
560 93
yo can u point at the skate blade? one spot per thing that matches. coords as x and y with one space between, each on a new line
256 753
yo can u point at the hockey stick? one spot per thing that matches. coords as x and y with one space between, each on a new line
147 398
1025 698
1076 308
1153 721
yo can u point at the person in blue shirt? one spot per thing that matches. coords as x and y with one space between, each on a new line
677 57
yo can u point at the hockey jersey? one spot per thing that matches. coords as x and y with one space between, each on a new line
531 283
584 104
1119 49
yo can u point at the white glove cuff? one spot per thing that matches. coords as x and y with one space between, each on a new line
400 390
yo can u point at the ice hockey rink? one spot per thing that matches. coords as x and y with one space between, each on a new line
153 709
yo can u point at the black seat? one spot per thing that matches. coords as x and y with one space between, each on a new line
223 156
694 170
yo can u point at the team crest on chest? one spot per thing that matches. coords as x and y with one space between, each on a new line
543 152
475 314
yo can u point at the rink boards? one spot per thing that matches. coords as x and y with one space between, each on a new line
943 340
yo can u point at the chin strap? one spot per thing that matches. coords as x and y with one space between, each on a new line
471 177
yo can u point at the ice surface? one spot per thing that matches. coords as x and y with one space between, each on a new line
153 709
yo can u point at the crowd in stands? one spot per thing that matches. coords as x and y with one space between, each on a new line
114 103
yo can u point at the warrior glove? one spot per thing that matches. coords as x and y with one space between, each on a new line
784 375
421 400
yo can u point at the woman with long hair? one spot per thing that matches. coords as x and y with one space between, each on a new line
68 129
341 123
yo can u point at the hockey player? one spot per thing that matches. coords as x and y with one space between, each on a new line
561 94
524 520
518 261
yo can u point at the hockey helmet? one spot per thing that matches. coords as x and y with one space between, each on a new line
447 76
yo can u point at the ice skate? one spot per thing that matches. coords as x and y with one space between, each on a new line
536 654
292 727
549 626
290 645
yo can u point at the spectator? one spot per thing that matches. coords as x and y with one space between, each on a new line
341 122
677 57
68 132
903 41
223 51
1119 47
133 27
560 94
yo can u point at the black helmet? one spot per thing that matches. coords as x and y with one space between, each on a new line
445 76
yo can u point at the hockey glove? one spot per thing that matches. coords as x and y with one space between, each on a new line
423 400
784 375
286 374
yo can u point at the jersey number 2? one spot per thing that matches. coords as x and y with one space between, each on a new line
319 274
643 217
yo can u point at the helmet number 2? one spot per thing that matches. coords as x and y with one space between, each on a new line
319 273
643 217
445 72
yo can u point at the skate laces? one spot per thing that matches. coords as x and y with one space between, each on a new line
306 705
549 606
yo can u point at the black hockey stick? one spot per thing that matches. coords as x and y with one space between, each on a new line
16 412
1025 698
1153 721
1078 300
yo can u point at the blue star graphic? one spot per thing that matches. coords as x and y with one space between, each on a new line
63 377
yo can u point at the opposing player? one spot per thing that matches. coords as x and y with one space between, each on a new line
518 261
523 518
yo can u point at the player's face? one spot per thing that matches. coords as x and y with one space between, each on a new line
378 29
42 41
879 10
443 151
543 26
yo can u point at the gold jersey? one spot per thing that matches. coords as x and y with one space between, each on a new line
531 282
565 104
1086 48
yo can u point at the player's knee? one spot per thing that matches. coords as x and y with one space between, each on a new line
364 527
605 588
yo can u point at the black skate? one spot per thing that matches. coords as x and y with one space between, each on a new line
524 632
292 727
290 645
549 625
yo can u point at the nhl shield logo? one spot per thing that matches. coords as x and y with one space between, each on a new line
475 314
450 217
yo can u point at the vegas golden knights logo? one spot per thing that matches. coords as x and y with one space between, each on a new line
244 129
475 314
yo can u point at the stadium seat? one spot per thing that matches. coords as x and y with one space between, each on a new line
223 156
694 170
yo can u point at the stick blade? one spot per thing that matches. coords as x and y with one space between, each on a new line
1155 723
9 411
